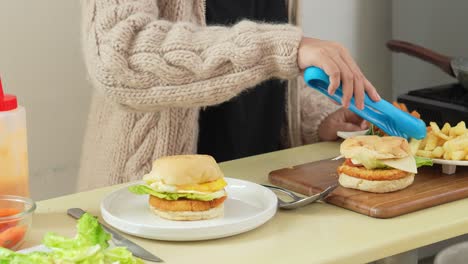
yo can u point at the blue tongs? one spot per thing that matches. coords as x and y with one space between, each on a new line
383 114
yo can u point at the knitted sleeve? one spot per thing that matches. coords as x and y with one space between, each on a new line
146 63
315 107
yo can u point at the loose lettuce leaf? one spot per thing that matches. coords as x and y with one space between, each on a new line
89 233
120 255
422 161
5 252
79 254
92 232
144 189
89 246
11 257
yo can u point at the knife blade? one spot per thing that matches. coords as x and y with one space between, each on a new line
118 239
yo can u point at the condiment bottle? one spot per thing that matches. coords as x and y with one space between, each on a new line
14 178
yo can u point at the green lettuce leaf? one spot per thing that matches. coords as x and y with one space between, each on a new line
89 246
4 253
52 240
11 257
89 233
144 189
421 161
374 131
78 255
121 255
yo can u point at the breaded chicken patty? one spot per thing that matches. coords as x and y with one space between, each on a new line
184 204
372 175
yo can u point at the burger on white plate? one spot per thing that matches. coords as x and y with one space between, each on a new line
378 164
185 187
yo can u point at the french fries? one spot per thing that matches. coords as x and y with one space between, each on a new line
431 142
438 152
450 143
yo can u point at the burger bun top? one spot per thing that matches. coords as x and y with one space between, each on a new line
186 169
379 147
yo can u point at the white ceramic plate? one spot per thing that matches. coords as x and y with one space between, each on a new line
450 166
248 206
345 135
451 162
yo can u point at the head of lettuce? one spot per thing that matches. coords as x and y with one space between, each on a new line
89 246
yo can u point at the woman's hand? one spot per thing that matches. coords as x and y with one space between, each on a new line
336 61
340 120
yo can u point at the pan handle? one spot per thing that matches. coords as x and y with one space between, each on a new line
422 53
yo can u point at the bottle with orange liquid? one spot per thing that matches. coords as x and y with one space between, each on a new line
14 178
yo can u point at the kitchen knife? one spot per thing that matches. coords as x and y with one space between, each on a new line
118 239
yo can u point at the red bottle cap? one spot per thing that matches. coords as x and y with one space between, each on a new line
7 101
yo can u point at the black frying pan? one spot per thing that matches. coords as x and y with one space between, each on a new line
454 66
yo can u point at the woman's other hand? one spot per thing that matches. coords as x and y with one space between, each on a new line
336 61
340 120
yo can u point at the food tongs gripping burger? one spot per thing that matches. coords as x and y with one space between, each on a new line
185 187
378 164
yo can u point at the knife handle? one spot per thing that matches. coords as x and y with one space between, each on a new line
116 237
75 212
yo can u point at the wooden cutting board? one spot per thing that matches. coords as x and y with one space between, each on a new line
430 188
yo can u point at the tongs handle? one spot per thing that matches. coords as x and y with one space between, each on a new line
378 113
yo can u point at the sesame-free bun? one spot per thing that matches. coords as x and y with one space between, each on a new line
375 186
190 215
186 169
375 146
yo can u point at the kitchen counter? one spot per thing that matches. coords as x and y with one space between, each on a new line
319 233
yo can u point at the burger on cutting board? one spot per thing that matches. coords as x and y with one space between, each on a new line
185 187
378 164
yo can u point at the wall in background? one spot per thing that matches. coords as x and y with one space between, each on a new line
362 26
41 62
435 24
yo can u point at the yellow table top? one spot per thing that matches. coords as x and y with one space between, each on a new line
318 233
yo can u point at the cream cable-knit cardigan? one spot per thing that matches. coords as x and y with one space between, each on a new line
154 64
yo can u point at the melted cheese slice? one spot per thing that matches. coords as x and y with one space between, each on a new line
204 188
405 164
213 186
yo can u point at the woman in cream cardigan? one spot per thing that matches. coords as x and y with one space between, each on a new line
201 76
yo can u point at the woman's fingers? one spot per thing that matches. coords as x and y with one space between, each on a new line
359 83
338 63
346 80
359 92
351 117
333 72
371 91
